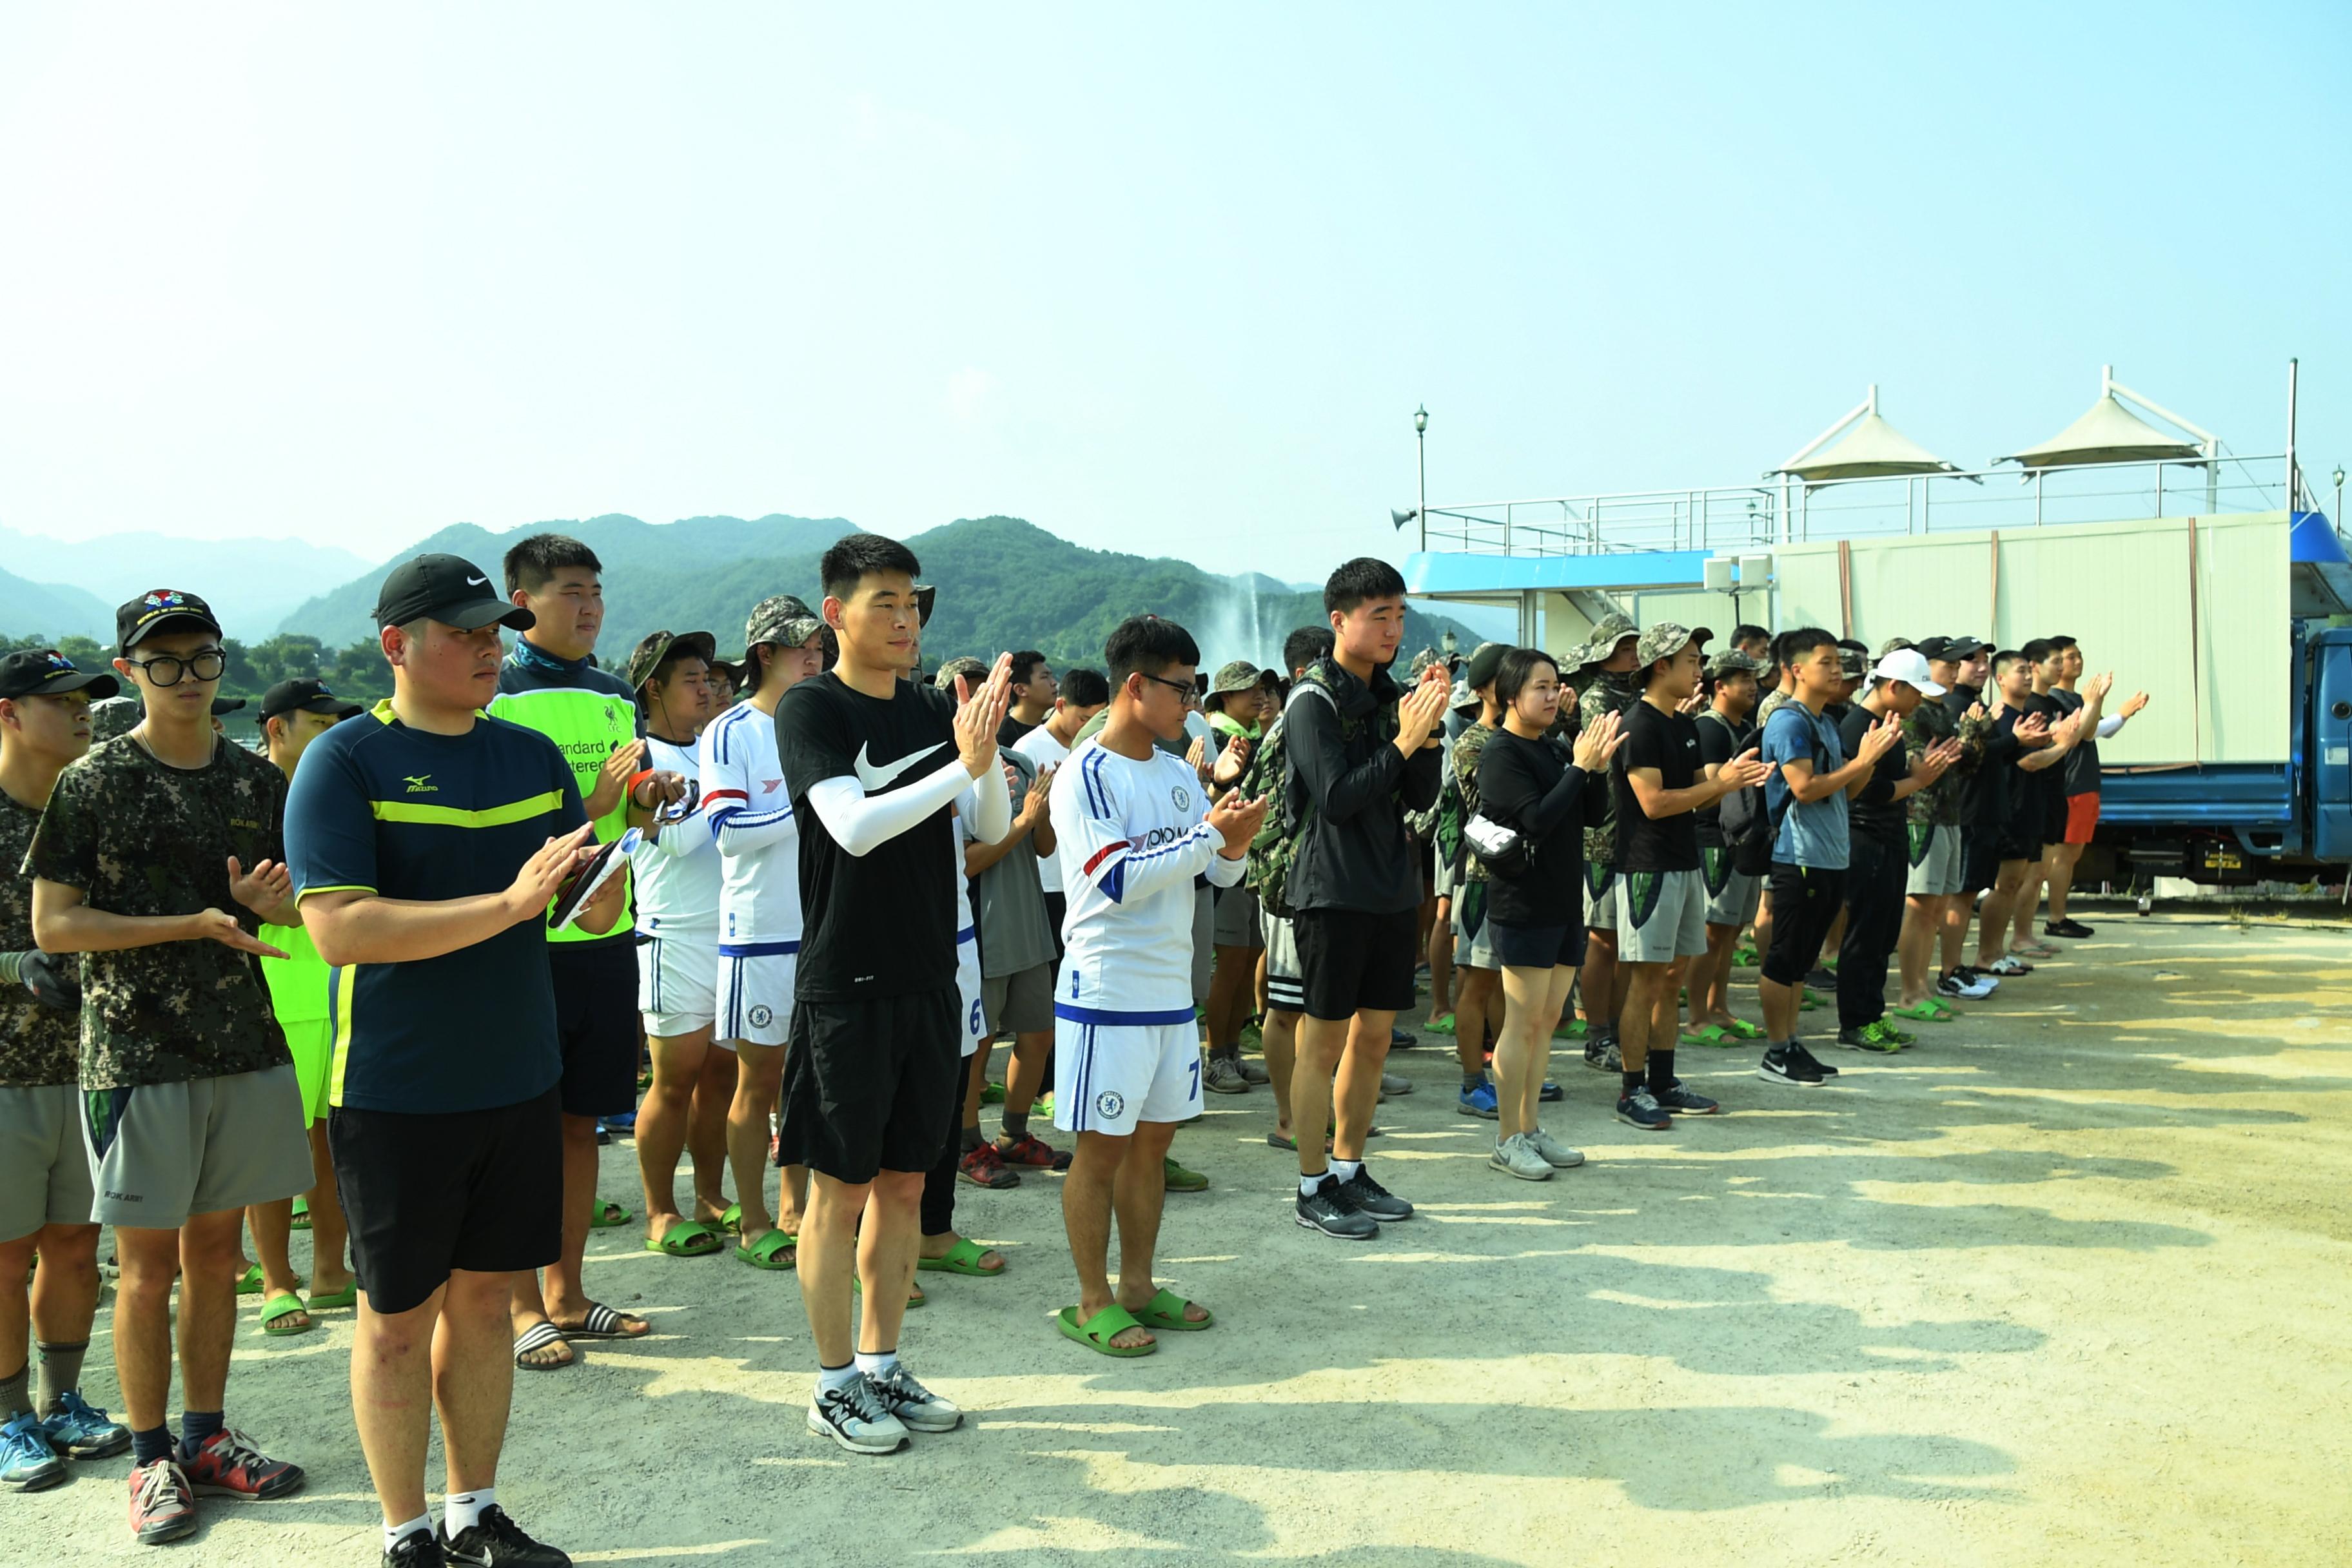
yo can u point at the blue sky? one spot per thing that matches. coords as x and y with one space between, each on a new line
1167 281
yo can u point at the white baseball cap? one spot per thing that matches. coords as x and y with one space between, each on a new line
1909 665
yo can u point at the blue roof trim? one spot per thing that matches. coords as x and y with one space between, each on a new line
1446 571
2310 537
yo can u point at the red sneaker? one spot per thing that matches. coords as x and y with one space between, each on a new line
1027 1150
983 1168
163 1504
228 1465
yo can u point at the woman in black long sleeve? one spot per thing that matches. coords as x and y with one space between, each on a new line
1533 784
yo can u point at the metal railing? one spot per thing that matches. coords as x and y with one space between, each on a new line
1789 510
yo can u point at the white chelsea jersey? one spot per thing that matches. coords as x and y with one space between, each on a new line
676 872
750 815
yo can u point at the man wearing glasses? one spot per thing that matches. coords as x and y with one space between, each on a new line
157 859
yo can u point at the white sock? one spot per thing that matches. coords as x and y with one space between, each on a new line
1346 1170
393 1534
829 1378
463 1510
1307 1185
874 1363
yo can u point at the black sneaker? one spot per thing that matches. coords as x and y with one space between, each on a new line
1330 1210
417 1549
496 1542
1402 1040
1811 1060
1375 1199
1601 1053
1680 1101
2077 929
1821 979
1790 1064
1640 1109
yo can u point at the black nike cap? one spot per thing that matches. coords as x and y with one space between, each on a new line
445 588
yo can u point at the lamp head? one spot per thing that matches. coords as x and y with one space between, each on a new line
1420 420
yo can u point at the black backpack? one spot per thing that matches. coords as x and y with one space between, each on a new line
1747 828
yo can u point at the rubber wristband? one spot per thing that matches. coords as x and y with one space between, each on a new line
640 777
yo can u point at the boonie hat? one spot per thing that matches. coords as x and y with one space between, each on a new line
783 619
162 609
1238 675
445 588
1731 661
305 697
1890 643
1909 665
1667 639
968 666
647 656
1613 629
1854 662
45 672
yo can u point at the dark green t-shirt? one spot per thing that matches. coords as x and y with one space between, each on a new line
39 1046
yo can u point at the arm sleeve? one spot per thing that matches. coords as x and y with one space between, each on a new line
988 811
861 822
1321 757
329 831
1090 829
2109 725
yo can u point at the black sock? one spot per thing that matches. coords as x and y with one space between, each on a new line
1662 1071
1632 1081
195 1425
150 1446
971 1138
1017 1124
59 1373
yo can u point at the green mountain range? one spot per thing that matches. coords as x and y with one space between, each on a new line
250 584
54 609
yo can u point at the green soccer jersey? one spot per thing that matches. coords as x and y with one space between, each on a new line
589 713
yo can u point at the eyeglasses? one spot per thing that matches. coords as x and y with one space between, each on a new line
164 669
1179 688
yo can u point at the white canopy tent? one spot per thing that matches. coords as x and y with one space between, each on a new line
1870 448
2111 433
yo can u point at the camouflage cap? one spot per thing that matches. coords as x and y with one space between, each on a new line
1613 629
1731 661
1420 661
115 716
1666 638
780 619
968 666
1855 663
1236 675
647 656
1890 643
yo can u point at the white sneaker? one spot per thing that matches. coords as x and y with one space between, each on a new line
1556 1154
1518 1157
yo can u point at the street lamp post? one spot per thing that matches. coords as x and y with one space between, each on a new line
1421 453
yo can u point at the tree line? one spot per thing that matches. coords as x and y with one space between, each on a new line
357 671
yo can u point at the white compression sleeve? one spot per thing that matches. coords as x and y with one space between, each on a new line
861 822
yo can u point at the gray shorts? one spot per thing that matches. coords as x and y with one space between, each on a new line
163 1151
1937 861
1204 939
1732 897
1022 1001
1474 933
1286 980
1662 916
1449 877
1237 922
1599 897
44 1174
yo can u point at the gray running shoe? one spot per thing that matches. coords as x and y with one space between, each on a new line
1518 1157
1255 1074
1391 1085
917 1407
1329 1210
854 1417
1224 1076
1559 1155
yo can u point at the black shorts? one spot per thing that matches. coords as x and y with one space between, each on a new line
1805 904
1353 962
596 1024
2053 818
1057 909
428 1193
1537 947
872 1086
1980 859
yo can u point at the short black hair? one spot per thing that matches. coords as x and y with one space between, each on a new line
1790 646
1085 687
1304 646
1024 666
1365 577
1146 645
1742 636
2008 657
1854 644
1518 666
2038 649
857 556
2064 642
530 562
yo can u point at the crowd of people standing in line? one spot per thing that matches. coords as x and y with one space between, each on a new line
404 966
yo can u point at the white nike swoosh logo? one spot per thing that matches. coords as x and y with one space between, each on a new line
878 777
477 582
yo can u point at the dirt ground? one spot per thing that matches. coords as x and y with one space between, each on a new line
2064 1284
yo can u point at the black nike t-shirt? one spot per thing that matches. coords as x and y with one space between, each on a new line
881 923
1668 742
1718 741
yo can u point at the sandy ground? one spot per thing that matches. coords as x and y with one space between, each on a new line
2066 1284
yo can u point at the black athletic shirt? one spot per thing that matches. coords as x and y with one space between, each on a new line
1875 813
1668 742
1536 787
883 923
2081 767
1719 741
2049 786
1011 729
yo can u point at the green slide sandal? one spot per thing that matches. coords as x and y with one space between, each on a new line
963 1257
348 1296
731 1222
1166 1311
687 1238
774 1250
301 1214
1713 1034
1741 1029
281 1307
1097 1332
1927 1012
249 1282
608 1216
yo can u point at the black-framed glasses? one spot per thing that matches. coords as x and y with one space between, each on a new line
168 669
1182 689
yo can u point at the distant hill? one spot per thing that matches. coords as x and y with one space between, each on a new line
250 584
52 610
639 555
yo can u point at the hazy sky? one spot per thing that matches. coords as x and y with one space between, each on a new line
1170 279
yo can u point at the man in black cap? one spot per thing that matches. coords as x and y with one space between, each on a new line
45 1188
428 839
157 860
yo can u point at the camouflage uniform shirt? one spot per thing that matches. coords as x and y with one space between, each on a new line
1609 693
1466 753
1943 802
141 839
38 1045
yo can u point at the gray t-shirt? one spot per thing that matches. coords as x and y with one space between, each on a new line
1811 835
1015 934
